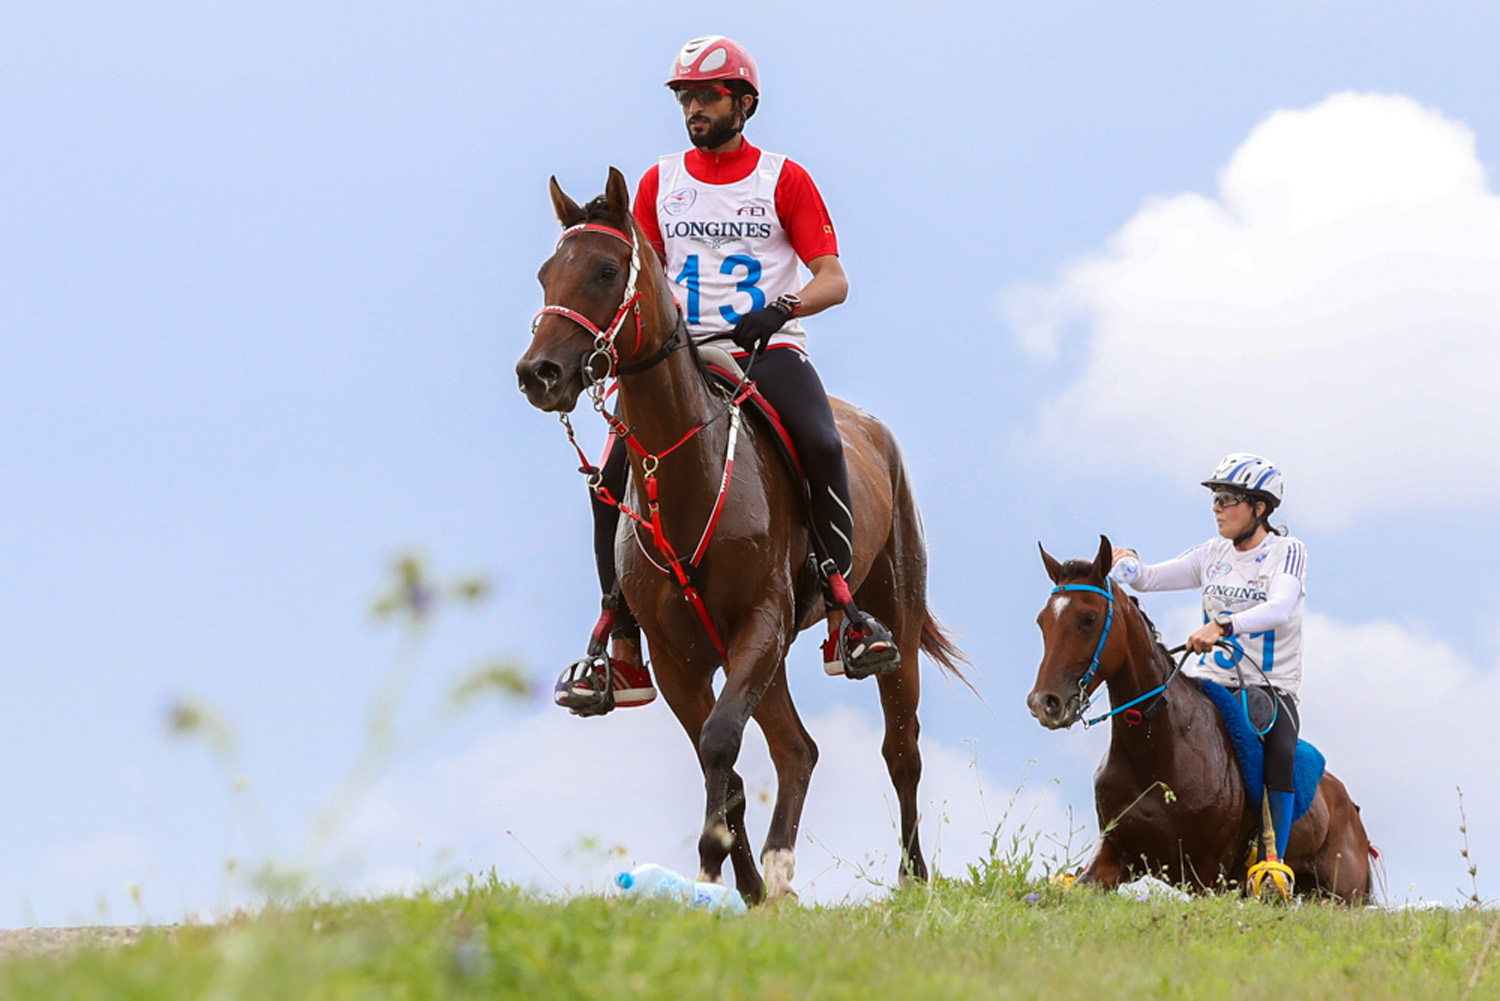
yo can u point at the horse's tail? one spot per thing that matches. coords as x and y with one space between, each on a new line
939 645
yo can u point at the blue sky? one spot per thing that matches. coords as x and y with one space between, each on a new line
265 271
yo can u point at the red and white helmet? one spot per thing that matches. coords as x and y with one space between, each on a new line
714 57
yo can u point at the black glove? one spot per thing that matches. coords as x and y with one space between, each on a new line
754 330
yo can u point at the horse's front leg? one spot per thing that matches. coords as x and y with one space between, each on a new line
1107 868
754 656
794 755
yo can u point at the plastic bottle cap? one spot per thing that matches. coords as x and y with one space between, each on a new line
624 880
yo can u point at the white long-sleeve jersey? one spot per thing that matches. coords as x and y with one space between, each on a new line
1263 589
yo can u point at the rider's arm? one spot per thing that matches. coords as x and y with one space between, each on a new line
1281 596
1180 574
829 285
644 209
804 216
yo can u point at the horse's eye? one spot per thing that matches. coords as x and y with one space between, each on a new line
608 273
1088 620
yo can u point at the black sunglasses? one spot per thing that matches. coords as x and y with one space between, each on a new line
1227 498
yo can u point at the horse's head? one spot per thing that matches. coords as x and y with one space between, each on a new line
1079 650
591 316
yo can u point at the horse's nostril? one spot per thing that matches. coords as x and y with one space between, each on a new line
540 375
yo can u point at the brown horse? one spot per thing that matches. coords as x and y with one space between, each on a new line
750 570
1200 833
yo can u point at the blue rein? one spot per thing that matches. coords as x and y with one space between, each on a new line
1083 683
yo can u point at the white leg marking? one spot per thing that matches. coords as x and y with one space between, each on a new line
778 866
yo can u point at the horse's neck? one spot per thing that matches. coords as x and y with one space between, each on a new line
670 399
1144 668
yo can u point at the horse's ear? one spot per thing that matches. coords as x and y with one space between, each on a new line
617 194
1054 568
568 212
1105 560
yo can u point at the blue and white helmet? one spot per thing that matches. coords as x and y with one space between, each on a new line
1249 474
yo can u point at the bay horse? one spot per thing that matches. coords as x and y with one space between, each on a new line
1200 832
608 313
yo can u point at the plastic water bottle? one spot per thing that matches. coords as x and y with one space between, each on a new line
718 898
1127 570
652 880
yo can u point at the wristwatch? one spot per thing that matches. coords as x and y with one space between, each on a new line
789 302
1224 621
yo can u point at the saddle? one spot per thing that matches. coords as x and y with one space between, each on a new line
1244 736
726 372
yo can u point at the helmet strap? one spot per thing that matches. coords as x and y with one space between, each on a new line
1261 521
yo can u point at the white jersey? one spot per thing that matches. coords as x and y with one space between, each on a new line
1263 589
727 251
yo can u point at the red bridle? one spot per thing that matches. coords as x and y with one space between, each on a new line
604 344
604 339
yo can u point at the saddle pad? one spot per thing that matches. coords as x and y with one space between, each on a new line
1307 767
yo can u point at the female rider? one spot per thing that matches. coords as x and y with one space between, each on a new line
1252 577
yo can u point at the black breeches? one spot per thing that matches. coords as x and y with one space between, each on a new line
614 471
1281 745
789 383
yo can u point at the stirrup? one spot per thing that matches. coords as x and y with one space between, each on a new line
586 687
866 646
1281 881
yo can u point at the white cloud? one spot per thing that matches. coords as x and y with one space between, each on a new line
1405 720
1336 306
563 804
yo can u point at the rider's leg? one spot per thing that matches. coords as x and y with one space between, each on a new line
786 378
1281 750
595 684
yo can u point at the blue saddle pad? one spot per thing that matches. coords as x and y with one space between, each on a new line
1307 767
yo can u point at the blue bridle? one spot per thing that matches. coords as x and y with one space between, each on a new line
1083 683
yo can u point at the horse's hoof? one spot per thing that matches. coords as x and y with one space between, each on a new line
786 898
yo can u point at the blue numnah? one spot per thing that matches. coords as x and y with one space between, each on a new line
1307 769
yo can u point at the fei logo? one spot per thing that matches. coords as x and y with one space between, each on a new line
679 201
1218 570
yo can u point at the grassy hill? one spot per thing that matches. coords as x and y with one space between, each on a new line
993 936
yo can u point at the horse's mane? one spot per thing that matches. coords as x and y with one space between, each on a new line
598 210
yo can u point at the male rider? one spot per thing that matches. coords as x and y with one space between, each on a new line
730 222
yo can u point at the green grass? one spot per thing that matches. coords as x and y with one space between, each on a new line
960 939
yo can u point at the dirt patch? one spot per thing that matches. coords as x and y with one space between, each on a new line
19 943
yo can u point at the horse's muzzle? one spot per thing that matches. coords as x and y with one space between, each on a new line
1051 710
542 381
